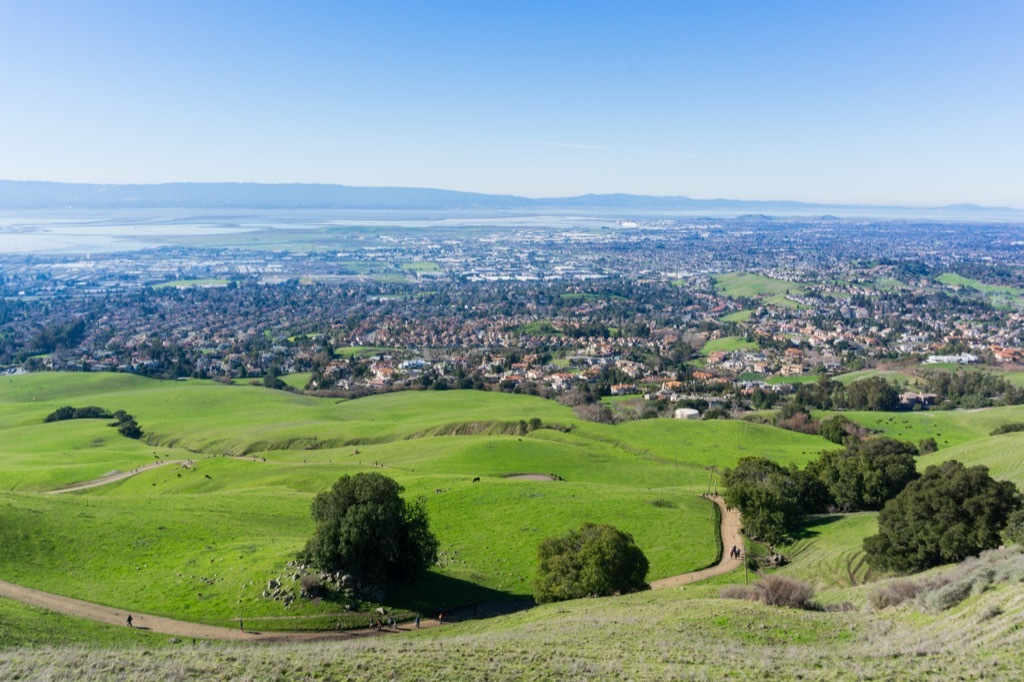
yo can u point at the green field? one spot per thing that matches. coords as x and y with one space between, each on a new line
421 266
748 285
186 283
997 293
200 543
738 316
361 351
728 344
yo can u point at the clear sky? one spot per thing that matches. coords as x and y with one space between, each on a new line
917 103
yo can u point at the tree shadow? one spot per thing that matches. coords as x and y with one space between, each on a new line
811 525
433 593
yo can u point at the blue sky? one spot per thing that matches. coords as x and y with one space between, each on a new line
917 103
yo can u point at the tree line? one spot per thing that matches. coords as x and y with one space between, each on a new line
948 513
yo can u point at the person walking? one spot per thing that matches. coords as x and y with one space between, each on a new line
417 621
130 621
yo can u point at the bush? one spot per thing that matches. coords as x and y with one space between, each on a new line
126 425
68 412
946 590
778 590
947 596
1013 534
774 590
892 594
595 561
1007 428
739 592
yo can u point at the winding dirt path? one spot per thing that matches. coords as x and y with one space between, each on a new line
731 537
730 530
180 628
113 478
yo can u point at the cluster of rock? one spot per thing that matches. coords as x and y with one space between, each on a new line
311 584
277 592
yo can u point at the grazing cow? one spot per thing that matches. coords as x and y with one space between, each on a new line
476 480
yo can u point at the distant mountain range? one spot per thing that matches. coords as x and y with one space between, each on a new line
15 194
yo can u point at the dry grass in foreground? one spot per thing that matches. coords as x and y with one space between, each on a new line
676 634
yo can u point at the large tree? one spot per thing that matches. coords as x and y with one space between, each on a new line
866 474
364 527
594 561
948 514
772 498
873 393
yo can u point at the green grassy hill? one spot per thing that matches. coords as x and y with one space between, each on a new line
200 543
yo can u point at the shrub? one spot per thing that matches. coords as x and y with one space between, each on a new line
1013 534
946 590
68 412
778 590
990 612
947 596
774 590
663 504
739 592
595 561
1012 427
892 594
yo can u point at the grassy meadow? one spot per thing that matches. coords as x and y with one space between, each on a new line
728 344
199 543
748 285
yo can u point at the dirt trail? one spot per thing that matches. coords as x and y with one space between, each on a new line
731 537
105 480
169 626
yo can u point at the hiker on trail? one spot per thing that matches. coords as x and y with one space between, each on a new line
417 621
130 621
241 626
440 619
